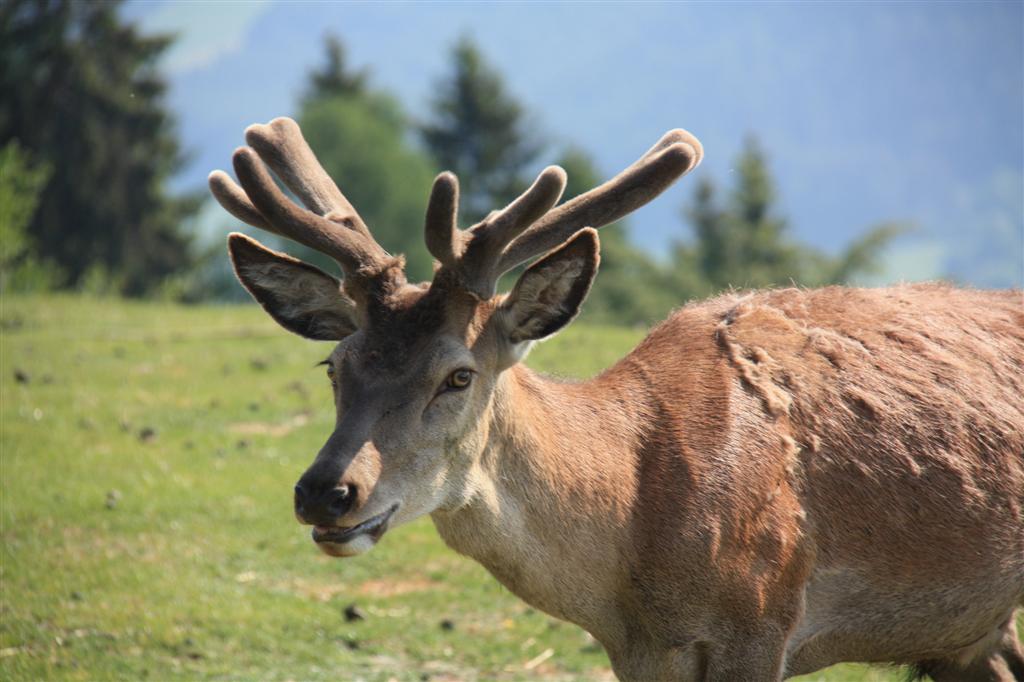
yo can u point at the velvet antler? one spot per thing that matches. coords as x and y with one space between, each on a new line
329 224
474 253
527 227
530 226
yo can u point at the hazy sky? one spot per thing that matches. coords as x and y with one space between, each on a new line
868 111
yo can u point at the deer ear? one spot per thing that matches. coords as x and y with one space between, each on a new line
302 298
550 292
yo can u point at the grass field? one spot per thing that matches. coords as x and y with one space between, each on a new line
148 455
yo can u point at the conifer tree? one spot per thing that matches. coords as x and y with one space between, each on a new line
335 77
479 131
744 243
81 93
360 135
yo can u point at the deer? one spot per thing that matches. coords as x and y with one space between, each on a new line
770 483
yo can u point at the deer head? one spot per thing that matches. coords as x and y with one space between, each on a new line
416 365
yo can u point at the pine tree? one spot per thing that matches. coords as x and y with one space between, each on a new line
79 90
479 132
335 77
765 256
715 252
360 135
745 243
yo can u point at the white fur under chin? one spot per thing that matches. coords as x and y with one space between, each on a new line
354 547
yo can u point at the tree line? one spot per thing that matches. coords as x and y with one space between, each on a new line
82 98
87 147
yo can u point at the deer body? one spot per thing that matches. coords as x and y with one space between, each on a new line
768 484
767 504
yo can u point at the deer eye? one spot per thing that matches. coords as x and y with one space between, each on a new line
459 379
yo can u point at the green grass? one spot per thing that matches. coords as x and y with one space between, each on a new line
146 471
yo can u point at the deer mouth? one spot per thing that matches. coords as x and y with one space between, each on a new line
373 527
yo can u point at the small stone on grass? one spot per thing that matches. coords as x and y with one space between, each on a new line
353 613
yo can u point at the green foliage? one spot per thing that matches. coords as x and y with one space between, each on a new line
360 142
334 77
862 256
360 138
211 277
21 183
146 519
744 243
80 91
481 133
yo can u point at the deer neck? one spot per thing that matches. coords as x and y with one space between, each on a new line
553 492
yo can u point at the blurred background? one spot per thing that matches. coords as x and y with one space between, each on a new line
845 142
150 434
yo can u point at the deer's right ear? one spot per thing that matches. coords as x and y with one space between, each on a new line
302 298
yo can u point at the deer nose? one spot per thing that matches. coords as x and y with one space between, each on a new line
325 507
339 500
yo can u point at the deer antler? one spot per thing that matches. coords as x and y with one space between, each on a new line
329 224
527 227
474 253
530 226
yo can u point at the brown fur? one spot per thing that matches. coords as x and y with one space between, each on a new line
799 476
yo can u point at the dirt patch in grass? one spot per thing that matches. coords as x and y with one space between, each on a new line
381 589
393 588
269 428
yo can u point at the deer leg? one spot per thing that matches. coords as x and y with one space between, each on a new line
645 660
754 660
1011 648
992 668
1005 663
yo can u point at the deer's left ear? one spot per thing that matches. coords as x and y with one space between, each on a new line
550 292
302 298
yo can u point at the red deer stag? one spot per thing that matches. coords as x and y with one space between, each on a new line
768 484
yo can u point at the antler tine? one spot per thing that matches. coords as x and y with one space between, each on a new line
233 199
281 145
677 153
537 200
354 251
475 253
441 231
670 138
